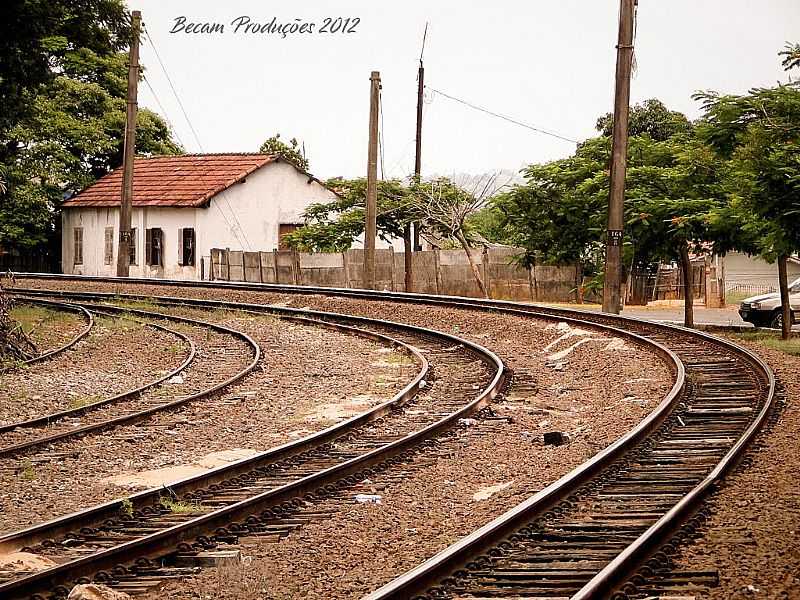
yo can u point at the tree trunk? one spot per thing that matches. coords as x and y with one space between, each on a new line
786 308
409 278
475 271
688 287
579 282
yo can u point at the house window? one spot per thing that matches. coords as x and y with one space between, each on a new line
108 255
186 247
132 247
283 229
77 245
154 247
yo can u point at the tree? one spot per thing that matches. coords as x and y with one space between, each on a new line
650 118
70 130
334 226
759 133
290 153
443 209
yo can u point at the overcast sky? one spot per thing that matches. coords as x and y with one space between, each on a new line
548 64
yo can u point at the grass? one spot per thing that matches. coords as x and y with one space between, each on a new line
31 317
737 297
772 341
81 401
396 358
126 507
178 506
28 472
120 323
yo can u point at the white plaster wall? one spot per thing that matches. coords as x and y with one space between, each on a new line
741 268
246 216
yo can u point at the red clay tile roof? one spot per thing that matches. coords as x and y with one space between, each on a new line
186 180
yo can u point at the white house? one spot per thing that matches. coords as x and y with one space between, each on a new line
182 207
750 274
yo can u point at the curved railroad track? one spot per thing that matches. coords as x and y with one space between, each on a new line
461 379
217 368
608 527
63 306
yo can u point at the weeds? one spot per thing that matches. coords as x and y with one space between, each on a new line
81 401
178 506
28 471
773 341
126 507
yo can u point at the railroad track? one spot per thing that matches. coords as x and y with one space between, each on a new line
52 353
198 376
261 495
606 529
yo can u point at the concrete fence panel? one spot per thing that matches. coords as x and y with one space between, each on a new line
456 274
507 279
252 267
236 265
554 283
322 269
285 267
267 262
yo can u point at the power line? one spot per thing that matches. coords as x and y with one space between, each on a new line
163 110
172 86
505 118
200 145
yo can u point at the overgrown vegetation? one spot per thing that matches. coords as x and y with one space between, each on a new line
771 340
15 343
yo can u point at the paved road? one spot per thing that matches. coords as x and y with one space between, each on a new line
674 314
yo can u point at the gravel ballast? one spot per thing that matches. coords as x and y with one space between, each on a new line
595 391
751 536
108 361
309 378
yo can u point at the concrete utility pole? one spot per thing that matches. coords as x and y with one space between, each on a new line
370 227
123 249
619 151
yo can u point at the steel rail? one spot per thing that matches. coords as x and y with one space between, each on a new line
47 530
143 414
165 540
51 418
64 347
616 571
620 568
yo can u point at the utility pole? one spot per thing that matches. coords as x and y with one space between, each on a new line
418 154
619 151
123 249
370 227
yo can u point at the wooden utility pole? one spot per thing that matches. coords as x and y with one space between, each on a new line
619 150
370 227
123 249
418 154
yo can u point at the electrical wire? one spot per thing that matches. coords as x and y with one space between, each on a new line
221 195
172 86
163 110
504 117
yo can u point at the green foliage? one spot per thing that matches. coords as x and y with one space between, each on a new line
334 226
64 110
290 153
650 118
759 134
672 186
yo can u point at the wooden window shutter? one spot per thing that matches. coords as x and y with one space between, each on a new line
180 245
108 254
148 246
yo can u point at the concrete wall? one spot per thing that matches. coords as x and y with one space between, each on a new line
435 272
242 218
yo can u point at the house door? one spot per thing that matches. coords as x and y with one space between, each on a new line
283 229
